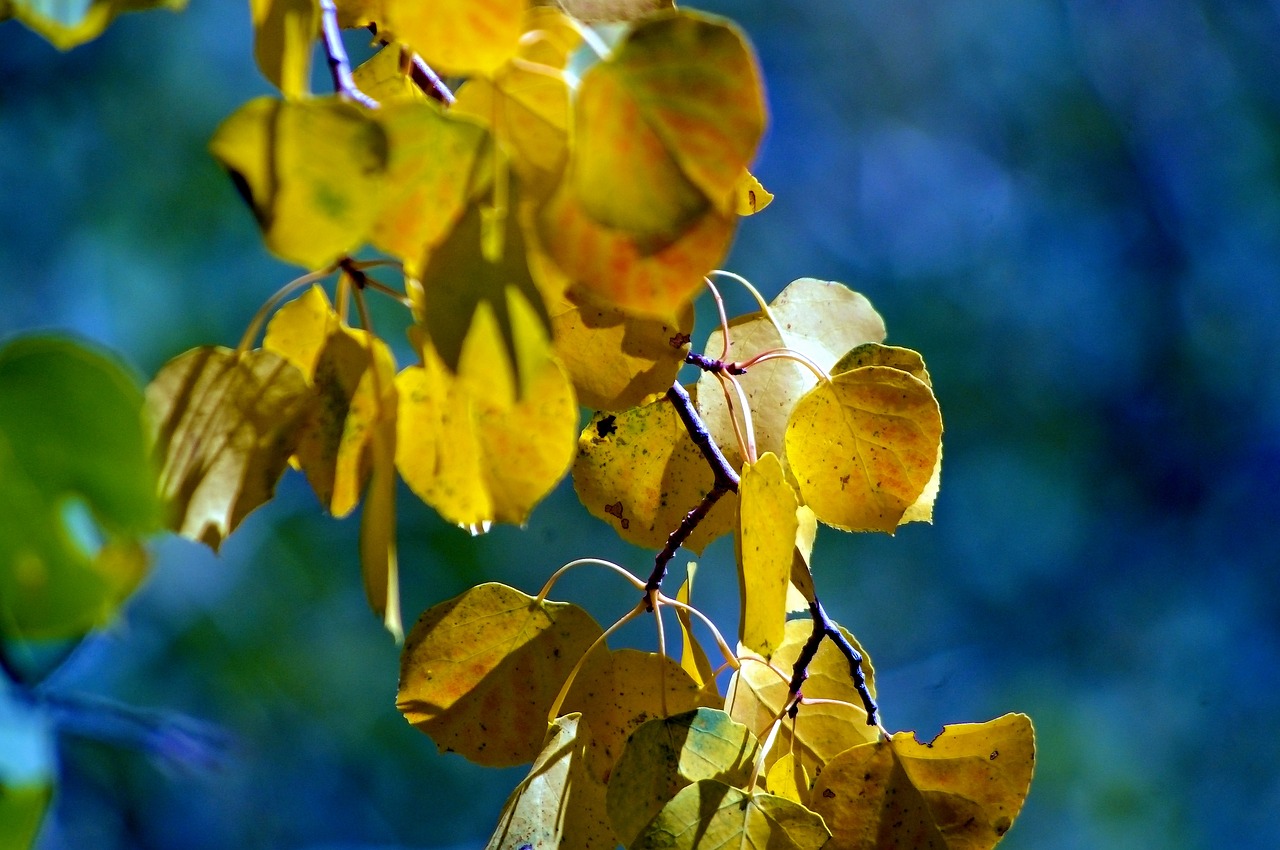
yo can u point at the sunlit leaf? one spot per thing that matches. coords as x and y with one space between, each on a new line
66 25
757 695
693 658
960 791
821 320
226 424
766 539
875 354
372 407
284 34
379 564
300 330
864 447
77 487
479 673
461 37
800 591
609 11
750 195
639 471
665 754
627 689
787 779
616 360
312 171
382 78
22 808
710 813
560 803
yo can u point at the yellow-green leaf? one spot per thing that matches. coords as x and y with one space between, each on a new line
864 447
479 673
710 813
961 791
312 171
609 11
379 565
22 808
616 359
751 196
382 78
284 34
665 754
766 541
757 695
300 330
639 471
875 354
693 658
226 424
787 779
67 25
462 37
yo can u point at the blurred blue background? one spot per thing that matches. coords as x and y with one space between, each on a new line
1072 209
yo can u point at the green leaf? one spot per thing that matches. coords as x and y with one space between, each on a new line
77 487
69 24
766 541
284 34
22 808
312 171
226 424
479 673
710 813
960 791
665 754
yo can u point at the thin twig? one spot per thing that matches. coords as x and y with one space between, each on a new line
429 81
823 627
726 478
339 65
677 538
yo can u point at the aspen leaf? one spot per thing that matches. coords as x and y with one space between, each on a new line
615 359
693 658
750 195
710 813
639 471
820 319
284 34
226 424
787 779
875 354
67 25
479 672
623 690
22 808
559 804
372 407
461 37
382 78
77 488
800 591
665 754
961 791
864 447
358 14
312 172
609 11
757 695
300 330
766 541
379 565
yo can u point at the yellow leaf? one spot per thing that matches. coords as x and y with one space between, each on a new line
639 471
479 673
820 319
961 791
382 78
284 34
766 540
226 424
751 196
312 171
378 562
864 447
800 590
615 359
358 14
693 659
609 11
300 329
787 779
372 407
462 37
757 695
875 354
710 813
560 803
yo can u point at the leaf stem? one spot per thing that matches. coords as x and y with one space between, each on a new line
339 65
625 573
788 354
720 641
577 668
823 627
259 318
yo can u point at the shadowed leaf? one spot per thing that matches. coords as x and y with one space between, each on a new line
710 813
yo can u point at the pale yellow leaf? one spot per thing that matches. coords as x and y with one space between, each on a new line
284 35
461 37
766 540
786 778
711 814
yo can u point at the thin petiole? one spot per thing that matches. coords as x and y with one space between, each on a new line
755 293
260 318
789 354
729 657
600 562
724 318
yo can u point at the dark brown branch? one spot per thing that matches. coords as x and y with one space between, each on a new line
429 81
714 366
677 538
823 627
339 65
726 477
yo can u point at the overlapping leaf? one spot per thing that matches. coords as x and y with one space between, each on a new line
382 78
639 471
665 754
757 695
864 447
560 803
461 37
787 779
960 791
608 11
693 658
766 541
821 320
66 25
479 673
710 813
226 424
284 33
312 171
77 488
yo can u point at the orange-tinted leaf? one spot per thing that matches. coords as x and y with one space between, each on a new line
284 34
460 37
766 541
479 673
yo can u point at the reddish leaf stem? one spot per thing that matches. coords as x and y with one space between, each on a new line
823 627
339 65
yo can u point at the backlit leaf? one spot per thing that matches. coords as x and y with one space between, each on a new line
766 540
608 11
875 354
750 195
800 591
284 34
820 319
300 329
787 779
757 695
961 791
665 754
639 471
312 171
616 360
382 78
461 37
226 424
864 447
372 407
693 658
710 813
66 25
77 487
379 565
479 673
560 804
